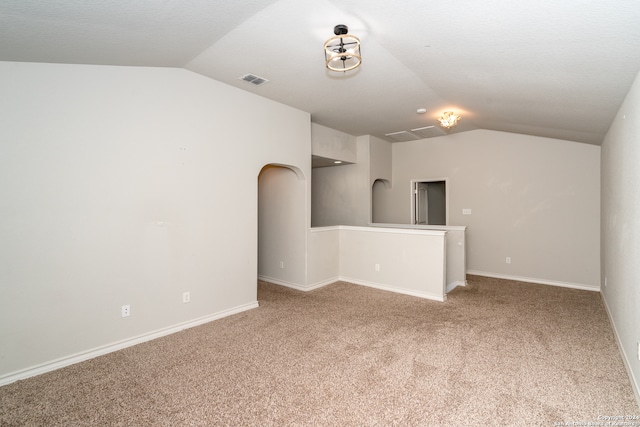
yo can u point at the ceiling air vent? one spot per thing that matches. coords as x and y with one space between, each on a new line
428 132
254 80
402 136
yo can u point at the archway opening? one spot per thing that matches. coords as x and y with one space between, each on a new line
282 225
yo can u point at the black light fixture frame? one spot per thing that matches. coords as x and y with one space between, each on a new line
341 48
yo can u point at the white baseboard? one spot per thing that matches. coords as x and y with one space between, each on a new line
625 358
355 282
304 288
411 292
453 285
99 351
534 280
323 283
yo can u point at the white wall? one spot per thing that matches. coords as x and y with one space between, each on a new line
126 185
323 257
380 179
456 251
621 228
380 159
341 195
333 144
536 200
408 261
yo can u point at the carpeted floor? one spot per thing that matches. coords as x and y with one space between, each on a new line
495 353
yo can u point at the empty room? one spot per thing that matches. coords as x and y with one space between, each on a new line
339 212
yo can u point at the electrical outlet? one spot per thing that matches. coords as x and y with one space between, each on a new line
508 260
605 281
466 211
186 297
281 264
377 267
638 350
126 310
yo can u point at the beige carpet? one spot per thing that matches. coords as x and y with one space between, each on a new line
496 353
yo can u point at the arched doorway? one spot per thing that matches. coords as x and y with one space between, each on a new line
282 225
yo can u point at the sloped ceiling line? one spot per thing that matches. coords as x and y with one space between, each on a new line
547 68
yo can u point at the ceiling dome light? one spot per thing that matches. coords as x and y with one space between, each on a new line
448 119
342 51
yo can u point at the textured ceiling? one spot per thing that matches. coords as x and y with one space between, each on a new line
546 68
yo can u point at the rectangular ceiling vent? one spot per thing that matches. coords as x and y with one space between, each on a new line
428 131
254 80
402 136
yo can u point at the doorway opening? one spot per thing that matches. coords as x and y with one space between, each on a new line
429 202
282 224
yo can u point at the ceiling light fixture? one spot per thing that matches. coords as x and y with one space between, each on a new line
448 119
342 51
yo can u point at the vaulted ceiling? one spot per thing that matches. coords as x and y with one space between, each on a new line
547 68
